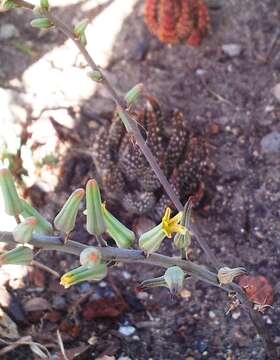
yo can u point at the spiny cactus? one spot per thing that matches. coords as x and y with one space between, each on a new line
125 175
174 21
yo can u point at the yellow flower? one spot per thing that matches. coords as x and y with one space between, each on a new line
151 240
172 225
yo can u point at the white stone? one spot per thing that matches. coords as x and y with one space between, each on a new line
127 330
236 315
232 50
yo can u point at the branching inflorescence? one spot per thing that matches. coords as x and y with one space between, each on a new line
175 21
33 231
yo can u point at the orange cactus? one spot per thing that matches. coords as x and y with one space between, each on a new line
174 21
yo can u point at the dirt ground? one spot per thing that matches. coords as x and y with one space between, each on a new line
234 95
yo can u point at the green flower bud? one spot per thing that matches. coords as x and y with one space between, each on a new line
21 255
89 257
95 219
226 275
43 226
65 220
8 4
183 241
151 240
10 196
174 278
119 232
80 28
95 75
83 273
44 4
133 94
23 231
41 23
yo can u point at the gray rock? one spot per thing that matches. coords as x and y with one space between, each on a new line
270 143
127 330
8 31
232 50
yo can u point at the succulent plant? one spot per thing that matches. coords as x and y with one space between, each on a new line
175 21
126 177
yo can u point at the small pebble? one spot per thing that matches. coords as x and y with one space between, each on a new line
235 315
200 72
268 320
270 143
232 50
102 284
127 330
202 346
185 294
212 315
92 340
126 275
142 295
8 31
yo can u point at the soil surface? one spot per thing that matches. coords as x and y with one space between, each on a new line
230 99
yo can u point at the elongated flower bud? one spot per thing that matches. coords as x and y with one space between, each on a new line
133 94
83 273
119 232
90 257
174 278
21 255
226 275
151 240
95 219
10 196
43 227
44 4
65 220
23 231
41 23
